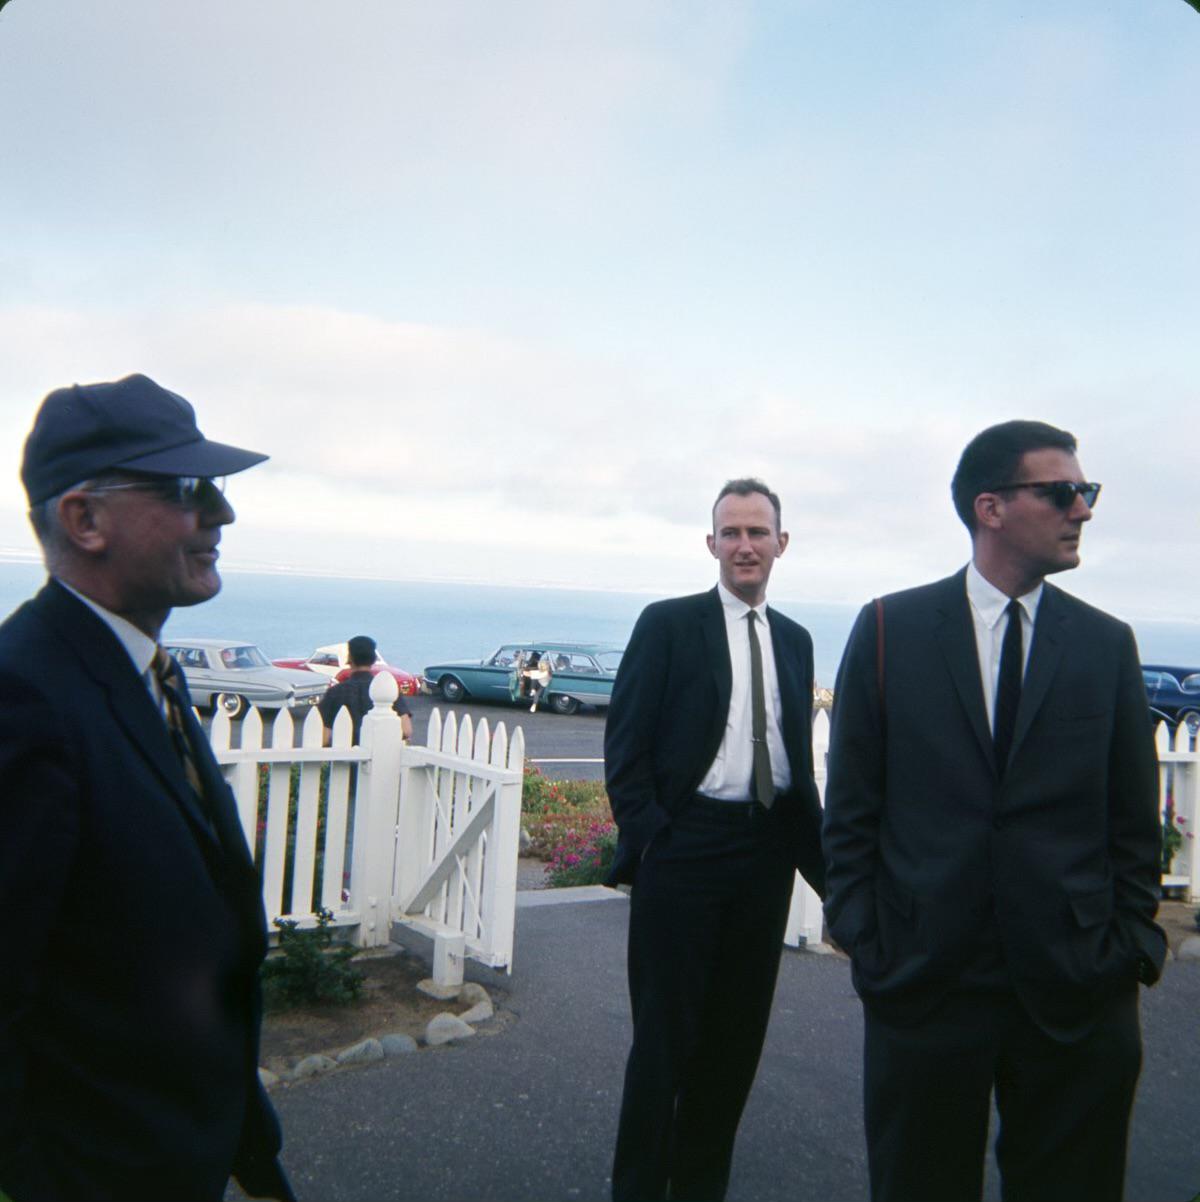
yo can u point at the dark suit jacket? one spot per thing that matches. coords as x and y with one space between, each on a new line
669 708
129 1009
928 848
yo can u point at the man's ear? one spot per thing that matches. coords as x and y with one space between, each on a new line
82 522
783 542
989 510
711 539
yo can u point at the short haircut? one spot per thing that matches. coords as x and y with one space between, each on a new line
361 650
993 457
743 487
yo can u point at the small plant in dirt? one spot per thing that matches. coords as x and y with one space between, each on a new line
310 969
582 856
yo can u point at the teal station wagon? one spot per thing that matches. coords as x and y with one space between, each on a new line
580 674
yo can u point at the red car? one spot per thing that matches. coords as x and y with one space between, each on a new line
334 661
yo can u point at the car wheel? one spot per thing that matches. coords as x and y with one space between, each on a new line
452 689
1189 720
560 703
232 704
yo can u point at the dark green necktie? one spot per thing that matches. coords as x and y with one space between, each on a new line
764 782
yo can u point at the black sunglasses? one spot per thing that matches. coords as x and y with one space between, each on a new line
1061 493
188 492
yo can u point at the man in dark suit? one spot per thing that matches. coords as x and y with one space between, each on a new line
129 1005
708 762
992 845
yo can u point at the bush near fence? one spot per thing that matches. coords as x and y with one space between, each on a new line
570 826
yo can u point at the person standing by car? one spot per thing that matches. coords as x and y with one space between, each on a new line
708 763
354 693
129 1003
992 838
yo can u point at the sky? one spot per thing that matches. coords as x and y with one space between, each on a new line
508 291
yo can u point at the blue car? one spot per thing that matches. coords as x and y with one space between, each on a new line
578 674
1173 693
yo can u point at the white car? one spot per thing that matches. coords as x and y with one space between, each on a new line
236 675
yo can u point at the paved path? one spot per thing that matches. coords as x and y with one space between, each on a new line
528 1115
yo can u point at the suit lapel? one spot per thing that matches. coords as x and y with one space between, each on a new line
716 648
791 690
955 635
1049 633
104 659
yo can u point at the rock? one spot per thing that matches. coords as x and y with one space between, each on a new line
267 1077
398 1045
524 843
476 997
443 993
445 1028
361 1053
1189 949
480 1012
312 1066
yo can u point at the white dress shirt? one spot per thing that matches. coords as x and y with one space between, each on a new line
730 777
989 615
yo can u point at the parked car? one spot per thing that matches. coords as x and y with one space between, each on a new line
1173 693
334 661
236 675
581 674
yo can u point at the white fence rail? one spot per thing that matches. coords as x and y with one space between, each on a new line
1179 799
382 833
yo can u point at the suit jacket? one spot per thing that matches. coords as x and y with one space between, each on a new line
669 708
129 1006
930 850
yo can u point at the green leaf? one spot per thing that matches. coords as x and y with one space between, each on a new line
1196 5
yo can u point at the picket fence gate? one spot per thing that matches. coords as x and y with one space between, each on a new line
383 833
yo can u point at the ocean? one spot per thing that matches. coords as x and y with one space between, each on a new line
419 624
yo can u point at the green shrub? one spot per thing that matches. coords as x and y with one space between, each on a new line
310 969
582 855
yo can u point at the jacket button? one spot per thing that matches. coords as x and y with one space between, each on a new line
997 823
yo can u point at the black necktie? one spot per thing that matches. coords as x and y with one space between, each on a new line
1008 687
764 782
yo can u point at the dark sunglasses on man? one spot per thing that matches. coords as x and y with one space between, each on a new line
188 492
1060 493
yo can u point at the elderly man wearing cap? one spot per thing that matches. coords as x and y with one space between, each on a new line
129 1009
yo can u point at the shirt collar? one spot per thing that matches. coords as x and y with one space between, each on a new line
735 607
990 603
140 646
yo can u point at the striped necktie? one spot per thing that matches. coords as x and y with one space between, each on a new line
164 670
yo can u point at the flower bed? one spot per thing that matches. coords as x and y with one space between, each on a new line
570 826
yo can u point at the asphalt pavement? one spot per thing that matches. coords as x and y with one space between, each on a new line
529 1114
566 747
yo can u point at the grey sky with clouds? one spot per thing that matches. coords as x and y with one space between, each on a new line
508 291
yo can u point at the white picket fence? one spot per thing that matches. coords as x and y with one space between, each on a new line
383 833
805 921
1179 782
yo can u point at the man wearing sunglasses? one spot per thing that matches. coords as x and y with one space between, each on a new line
129 1006
992 847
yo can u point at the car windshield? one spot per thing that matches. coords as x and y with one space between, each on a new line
610 661
248 656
